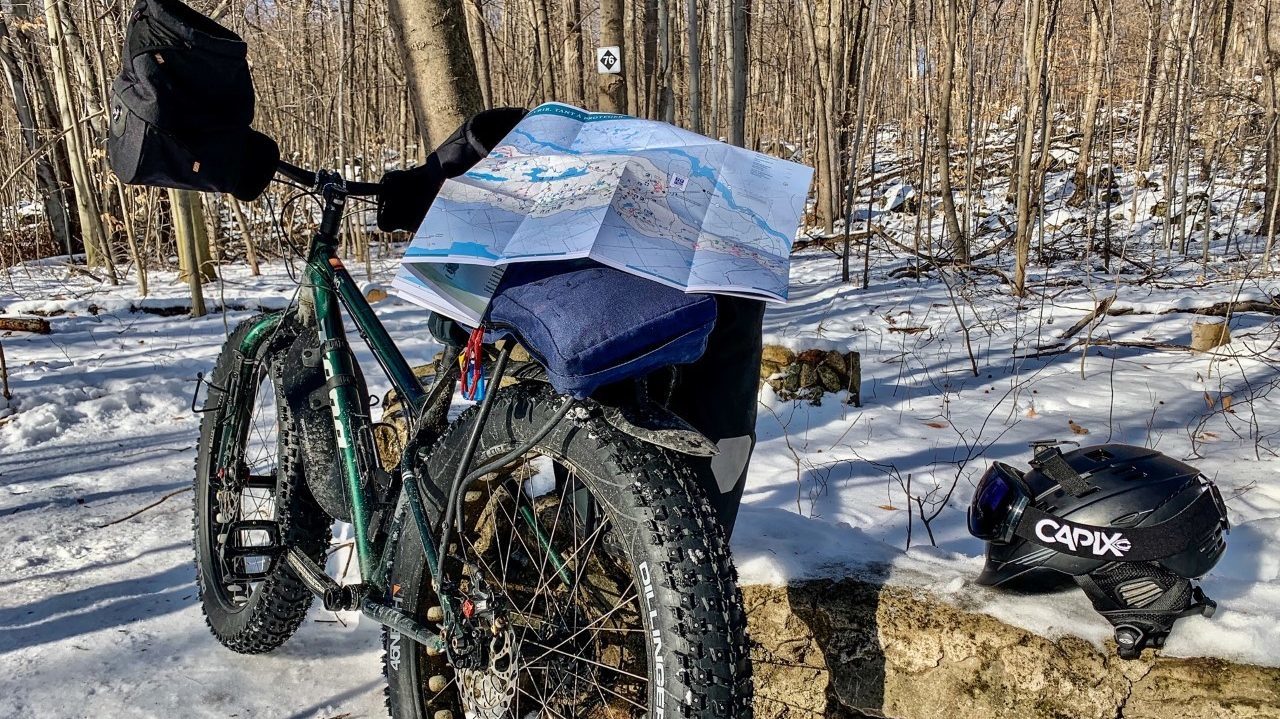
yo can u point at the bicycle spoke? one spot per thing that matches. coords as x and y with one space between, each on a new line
547 566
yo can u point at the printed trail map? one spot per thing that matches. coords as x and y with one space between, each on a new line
641 196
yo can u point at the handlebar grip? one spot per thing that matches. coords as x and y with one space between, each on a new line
310 179
297 174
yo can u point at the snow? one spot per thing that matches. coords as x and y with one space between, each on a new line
826 493
99 616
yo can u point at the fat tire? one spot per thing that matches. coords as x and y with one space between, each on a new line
653 499
280 602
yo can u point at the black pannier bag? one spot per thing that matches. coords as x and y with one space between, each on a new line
182 105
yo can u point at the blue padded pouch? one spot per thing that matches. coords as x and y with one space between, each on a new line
591 325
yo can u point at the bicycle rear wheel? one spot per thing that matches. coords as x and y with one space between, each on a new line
595 581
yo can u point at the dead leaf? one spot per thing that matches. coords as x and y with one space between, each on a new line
1209 400
1226 403
1032 413
887 507
936 425
1075 428
908 330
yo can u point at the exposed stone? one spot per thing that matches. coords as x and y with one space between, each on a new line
857 648
830 378
768 369
778 355
812 373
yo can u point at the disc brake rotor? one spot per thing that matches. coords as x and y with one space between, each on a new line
489 693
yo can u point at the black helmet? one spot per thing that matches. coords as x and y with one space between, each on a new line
1129 524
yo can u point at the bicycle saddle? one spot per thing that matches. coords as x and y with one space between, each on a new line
589 325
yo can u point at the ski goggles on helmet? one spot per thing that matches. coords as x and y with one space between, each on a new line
1003 508
999 501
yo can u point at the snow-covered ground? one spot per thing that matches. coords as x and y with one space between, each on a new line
102 620
928 421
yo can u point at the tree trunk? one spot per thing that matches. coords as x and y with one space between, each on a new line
817 19
573 52
738 60
1089 116
1271 81
666 93
478 31
950 29
612 94
438 65
86 194
16 74
187 227
1153 110
1032 52
546 61
694 68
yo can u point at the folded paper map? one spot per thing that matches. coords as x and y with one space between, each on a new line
638 195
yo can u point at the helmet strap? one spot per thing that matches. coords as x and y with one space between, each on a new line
1049 460
1142 601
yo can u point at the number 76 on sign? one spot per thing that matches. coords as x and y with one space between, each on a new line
609 60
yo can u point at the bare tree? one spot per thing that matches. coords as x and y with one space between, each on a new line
1039 18
738 62
613 89
18 75
1270 17
694 67
86 194
950 29
439 69
1099 18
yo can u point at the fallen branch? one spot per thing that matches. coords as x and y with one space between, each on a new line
1072 331
36 325
156 503
1220 309
1159 346
78 270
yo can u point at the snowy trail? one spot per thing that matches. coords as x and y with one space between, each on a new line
102 621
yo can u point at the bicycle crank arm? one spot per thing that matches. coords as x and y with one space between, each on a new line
338 597
406 625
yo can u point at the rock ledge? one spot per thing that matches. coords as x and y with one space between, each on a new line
854 648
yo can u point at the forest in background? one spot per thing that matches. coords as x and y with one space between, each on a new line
967 104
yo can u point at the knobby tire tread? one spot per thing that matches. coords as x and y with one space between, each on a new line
280 603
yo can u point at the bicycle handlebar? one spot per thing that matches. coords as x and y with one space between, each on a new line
311 179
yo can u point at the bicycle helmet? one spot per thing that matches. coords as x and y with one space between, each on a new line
1130 525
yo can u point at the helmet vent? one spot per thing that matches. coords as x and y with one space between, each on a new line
1099 455
1140 593
1128 520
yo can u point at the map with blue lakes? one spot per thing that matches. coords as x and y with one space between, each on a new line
641 196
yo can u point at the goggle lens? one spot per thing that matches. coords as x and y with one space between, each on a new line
992 504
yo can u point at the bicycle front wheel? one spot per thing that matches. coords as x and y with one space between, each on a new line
594 580
251 501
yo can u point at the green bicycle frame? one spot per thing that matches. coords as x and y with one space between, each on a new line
331 288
